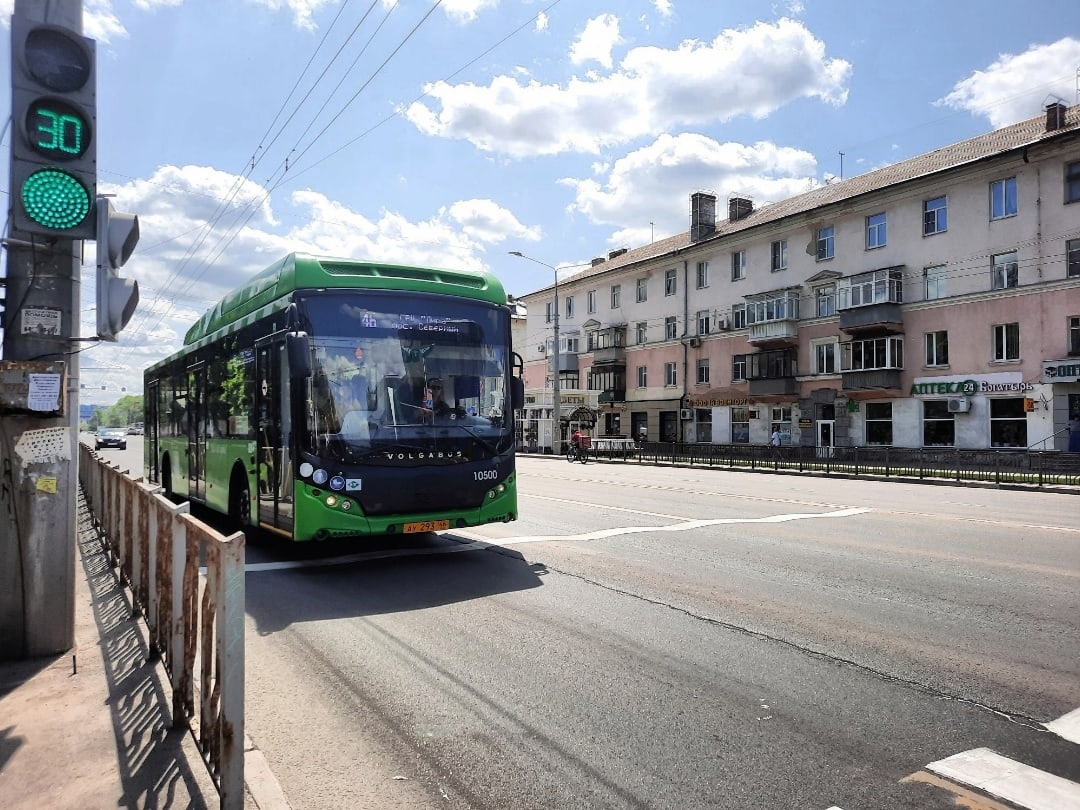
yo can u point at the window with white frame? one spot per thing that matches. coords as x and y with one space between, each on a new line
778 259
738 265
642 290
642 332
939 424
875 287
1003 198
740 425
782 306
937 348
671 282
875 231
780 422
935 216
592 301
738 316
826 243
569 306
936 286
616 291
642 376
1072 253
825 355
738 368
879 425
571 344
1006 342
671 376
1008 423
671 328
825 300
703 371
1006 270
702 275
703 322
884 353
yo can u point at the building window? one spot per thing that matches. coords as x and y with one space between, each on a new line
1072 182
642 376
1006 342
825 300
571 344
549 311
939 426
779 255
935 216
879 423
671 328
703 418
774 307
781 422
616 289
1003 198
1074 336
738 368
935 282
740 425
825 356
875 287
738 265
702 275
884 353
642 290
703 322
875 231
738 316
1006 271
703 372
671 377
671 283
592 301
1008 423
642 332
569 307
937 348
1072 251
826 245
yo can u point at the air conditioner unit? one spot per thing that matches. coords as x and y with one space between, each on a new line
695 342
541 348
959 405
686 413
723 323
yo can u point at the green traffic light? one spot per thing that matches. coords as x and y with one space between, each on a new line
55 199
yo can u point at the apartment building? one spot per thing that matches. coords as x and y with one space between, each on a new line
931 303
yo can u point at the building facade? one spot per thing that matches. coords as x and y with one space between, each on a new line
931 303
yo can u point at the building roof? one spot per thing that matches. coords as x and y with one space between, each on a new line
1000 141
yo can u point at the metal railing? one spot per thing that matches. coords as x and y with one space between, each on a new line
157 547
1000 467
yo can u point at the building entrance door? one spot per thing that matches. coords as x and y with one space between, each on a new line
825 437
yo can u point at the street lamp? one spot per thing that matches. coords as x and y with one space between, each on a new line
556 402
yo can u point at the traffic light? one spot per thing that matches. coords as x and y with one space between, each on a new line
53 116
117 235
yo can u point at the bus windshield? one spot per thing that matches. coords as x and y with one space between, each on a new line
422 377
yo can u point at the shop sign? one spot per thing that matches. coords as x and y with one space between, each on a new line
693 402
805 423
968 387
1061 371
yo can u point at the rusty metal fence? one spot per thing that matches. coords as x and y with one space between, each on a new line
193 621
999 467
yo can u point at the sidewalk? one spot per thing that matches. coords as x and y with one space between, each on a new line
89 729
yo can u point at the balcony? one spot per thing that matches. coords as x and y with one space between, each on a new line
609 356
568 361
772 372
773 318
879 379
874 364
871 302
611 395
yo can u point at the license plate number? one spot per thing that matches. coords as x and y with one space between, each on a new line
426 526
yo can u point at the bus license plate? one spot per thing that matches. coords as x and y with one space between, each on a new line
426 526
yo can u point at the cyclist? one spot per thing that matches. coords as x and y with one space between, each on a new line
577 445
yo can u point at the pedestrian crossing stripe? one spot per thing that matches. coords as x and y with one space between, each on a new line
1010 780
1067 726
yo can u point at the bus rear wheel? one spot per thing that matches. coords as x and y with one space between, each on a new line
239 502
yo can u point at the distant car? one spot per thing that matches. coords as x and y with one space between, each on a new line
134 430
111 437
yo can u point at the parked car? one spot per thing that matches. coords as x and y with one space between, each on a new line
111 437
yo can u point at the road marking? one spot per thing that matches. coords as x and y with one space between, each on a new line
1067 726
478 542
1009 780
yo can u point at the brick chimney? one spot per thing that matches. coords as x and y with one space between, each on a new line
1055 116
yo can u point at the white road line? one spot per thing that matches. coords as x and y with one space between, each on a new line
479 542
1067 726
1010 780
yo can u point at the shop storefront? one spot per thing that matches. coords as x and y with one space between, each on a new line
1062 377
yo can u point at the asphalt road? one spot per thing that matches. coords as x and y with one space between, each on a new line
672 638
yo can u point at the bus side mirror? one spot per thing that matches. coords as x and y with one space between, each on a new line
517 393
299 348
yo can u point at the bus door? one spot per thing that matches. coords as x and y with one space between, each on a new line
273 406
150 425
197 431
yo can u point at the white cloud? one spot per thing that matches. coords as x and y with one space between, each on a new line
654 183
463 11
542 22
303 11
1017 86
664 7
653 90
601 34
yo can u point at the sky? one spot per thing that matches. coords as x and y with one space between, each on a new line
451 133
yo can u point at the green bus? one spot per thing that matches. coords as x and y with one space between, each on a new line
332 398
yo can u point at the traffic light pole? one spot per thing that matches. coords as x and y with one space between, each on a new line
38 447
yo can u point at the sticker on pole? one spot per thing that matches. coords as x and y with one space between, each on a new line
44 446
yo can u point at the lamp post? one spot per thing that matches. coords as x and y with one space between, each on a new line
556 402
